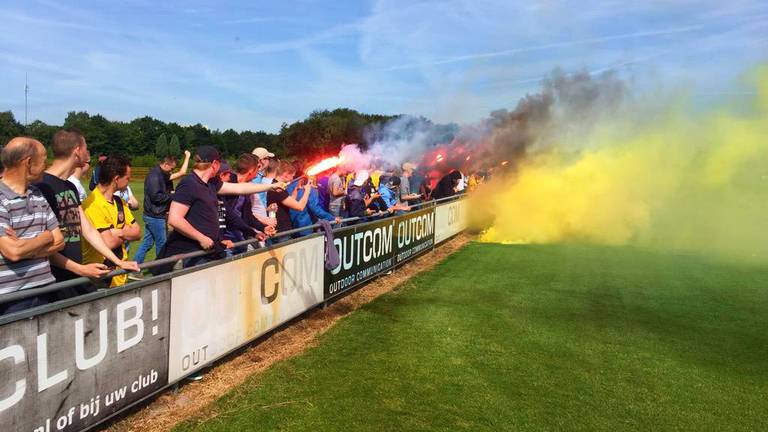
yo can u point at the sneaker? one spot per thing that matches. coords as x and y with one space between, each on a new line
197 376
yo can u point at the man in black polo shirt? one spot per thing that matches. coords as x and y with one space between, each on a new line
194 208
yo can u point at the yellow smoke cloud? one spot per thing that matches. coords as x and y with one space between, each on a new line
687 182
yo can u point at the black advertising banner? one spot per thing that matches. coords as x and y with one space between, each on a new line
68 369
414 234
364 251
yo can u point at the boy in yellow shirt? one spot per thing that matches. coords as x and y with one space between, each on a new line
110 215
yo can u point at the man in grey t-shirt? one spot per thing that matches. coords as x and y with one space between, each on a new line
336 192
407 195
29 231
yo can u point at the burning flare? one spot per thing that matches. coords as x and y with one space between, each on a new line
323 165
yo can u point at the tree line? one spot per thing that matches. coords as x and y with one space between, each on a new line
145 139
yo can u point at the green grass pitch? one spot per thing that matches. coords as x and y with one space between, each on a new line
532 338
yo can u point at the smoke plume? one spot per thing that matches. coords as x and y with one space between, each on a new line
565 105
678 180
583 161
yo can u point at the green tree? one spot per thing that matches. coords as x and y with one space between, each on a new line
149 130
42 132
189 139
97 140
161 146
230 143
9 127
174 149
324 132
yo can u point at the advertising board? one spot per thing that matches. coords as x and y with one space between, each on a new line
220 308
68 369
414 234
450 219
364 251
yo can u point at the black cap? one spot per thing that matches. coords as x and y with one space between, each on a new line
224 168
207 154
394 181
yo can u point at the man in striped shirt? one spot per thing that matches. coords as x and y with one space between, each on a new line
29 231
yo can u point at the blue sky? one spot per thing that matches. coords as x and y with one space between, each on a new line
254 65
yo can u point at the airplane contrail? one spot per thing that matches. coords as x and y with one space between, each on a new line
508 52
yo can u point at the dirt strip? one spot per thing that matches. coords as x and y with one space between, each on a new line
192 399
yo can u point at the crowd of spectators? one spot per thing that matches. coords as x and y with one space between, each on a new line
52 229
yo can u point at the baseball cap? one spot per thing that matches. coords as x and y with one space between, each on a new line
224 168
207 154
361 177
261 153
394 181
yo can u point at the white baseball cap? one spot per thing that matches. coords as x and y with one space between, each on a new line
262 153
361 177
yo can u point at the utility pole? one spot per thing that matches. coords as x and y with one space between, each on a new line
26 100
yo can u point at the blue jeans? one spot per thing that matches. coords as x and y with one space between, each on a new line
24 304
154 232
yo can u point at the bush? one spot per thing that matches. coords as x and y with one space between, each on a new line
144 161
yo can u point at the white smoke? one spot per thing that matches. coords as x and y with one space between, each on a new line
405 139
567 104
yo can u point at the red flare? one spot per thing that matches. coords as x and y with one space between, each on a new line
468 158
504 163
323 165
439 158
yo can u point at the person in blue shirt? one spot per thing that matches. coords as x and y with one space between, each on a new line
312 211
264 156
390 193
322 191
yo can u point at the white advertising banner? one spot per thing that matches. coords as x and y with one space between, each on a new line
450 219
218 309
72 368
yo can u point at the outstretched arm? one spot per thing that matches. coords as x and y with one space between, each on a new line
94 270
247 188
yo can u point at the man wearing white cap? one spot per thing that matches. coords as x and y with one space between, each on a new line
264 156
360 195
355 198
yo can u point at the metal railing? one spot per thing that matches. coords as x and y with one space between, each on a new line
26 293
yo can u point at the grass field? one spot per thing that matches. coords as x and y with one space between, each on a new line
531 338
